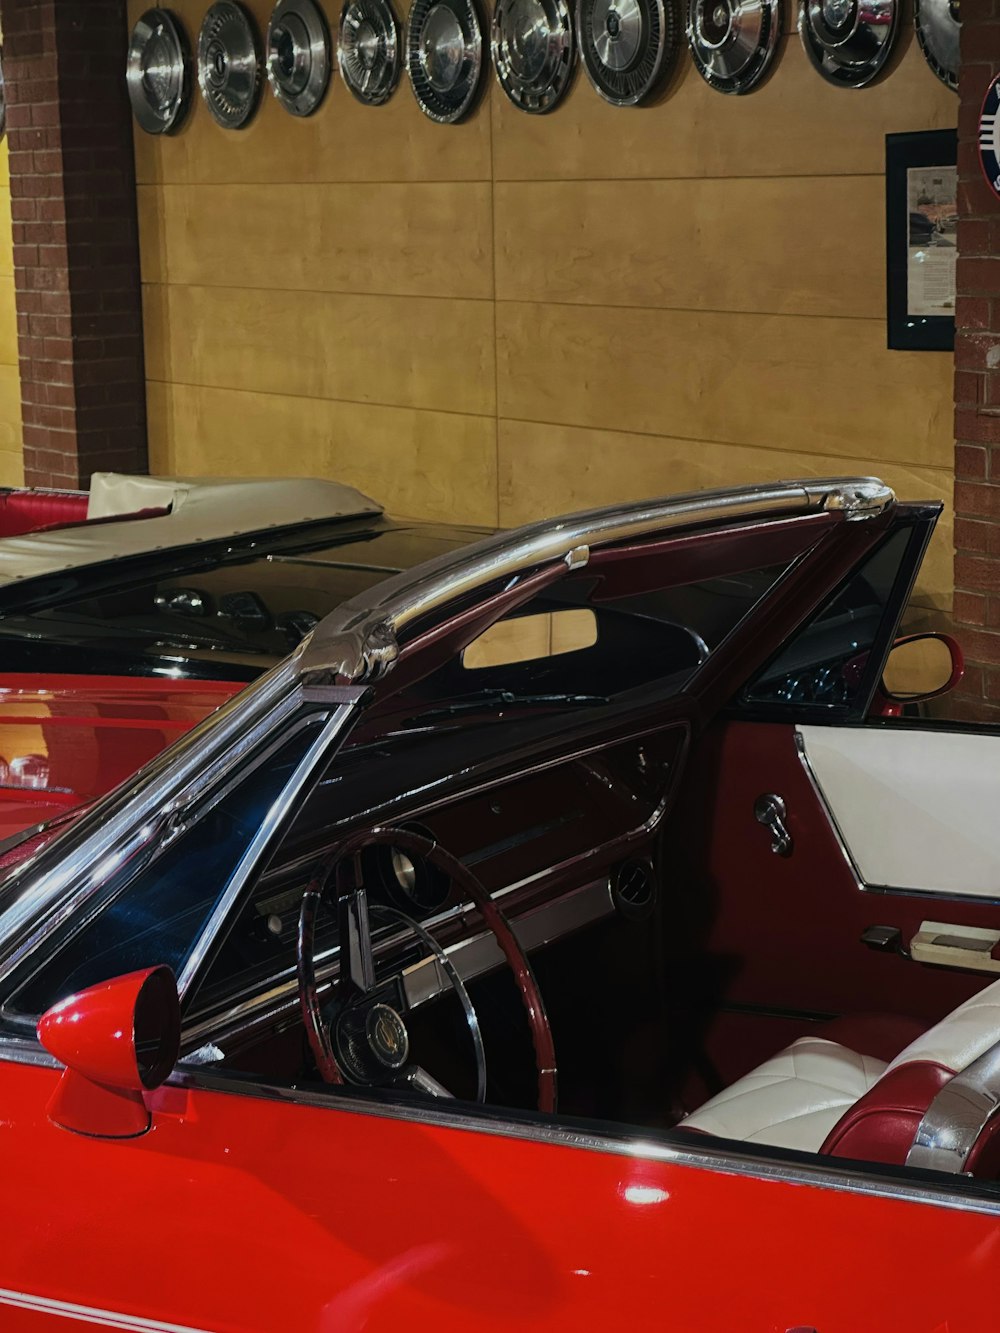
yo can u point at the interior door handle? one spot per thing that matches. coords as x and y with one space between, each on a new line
769 810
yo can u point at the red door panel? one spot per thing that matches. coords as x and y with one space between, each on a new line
784 932
239 1213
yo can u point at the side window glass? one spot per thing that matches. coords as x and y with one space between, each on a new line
824 665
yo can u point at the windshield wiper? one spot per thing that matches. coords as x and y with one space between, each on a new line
509 699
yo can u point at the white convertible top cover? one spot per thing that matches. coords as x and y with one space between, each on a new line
201 509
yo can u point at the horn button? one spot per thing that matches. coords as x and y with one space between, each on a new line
371 1042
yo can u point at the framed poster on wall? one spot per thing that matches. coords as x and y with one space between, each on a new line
921 215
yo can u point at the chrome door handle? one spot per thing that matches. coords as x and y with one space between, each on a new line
769 810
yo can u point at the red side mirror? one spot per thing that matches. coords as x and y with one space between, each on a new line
117 1040
919 667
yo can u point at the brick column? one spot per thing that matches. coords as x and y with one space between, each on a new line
76 254
977 381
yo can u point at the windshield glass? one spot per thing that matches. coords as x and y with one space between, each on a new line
155 907
220 614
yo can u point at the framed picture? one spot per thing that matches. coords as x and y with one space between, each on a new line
921 214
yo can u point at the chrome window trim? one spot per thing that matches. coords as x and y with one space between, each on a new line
722 1158
270 827
329 728
845 851
358 640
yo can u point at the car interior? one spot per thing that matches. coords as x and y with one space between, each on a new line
536 876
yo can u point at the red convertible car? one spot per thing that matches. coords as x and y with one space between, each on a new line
129 612
560 938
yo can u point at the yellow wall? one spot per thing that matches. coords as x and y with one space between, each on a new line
11 462
521 315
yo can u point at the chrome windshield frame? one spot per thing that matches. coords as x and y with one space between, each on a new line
359 640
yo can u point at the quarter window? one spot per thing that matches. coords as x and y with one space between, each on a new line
823 667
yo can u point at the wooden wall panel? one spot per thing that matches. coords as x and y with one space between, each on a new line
412 240
6 233
695 244
335 145
352 348
11 458
447 470
781 382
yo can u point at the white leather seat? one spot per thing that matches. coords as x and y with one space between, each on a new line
792 1100
821 1094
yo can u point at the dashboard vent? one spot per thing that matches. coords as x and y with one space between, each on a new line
633 890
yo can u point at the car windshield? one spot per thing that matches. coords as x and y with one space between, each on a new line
227 614
541 676
154 907
636 646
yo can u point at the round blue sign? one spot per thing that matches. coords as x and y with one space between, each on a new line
989 136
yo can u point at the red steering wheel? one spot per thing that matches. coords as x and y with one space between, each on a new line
366 1042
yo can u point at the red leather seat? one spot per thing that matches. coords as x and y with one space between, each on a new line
30 511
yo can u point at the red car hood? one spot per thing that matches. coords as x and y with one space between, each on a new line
66 739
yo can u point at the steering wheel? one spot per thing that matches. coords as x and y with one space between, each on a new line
366 1042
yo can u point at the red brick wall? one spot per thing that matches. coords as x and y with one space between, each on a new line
76 265
977 380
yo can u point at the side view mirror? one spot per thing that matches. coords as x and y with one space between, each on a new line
922 666
117 1040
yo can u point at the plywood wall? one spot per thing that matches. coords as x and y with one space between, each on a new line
522 315
11 462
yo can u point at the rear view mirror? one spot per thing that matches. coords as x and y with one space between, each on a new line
530 638
922 666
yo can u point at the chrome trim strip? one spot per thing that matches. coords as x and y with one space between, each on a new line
272 823
824 805
358 640
149 808
26 1051
957 1116
480 953
89 1314
933 895
706 1156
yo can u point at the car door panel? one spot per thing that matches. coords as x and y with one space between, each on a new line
784 932
240 1212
